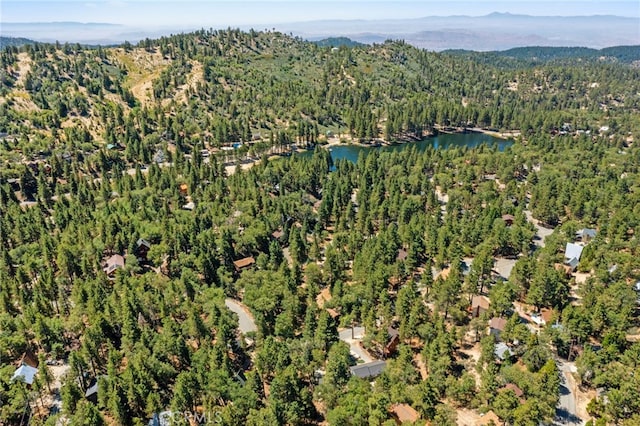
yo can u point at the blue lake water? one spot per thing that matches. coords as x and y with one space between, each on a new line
444 141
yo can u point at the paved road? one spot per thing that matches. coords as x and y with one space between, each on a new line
541 231
354 343
245 319
566 412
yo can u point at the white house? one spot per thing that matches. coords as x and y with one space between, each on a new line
572 254
25 372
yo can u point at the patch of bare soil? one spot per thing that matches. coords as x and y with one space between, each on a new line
142 91
467 417
195 76
142 68
323 296
469 354
581 277
24 66
583 397
21 101
19 98
231 169
417 359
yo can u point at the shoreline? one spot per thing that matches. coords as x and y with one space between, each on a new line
338 141
510 134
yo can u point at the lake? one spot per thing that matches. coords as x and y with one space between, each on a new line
443 140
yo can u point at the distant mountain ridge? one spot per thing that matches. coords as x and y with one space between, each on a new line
496 31
58 23
86 33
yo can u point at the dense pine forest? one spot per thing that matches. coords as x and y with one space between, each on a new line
168 255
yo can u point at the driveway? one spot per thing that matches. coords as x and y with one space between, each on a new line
541 231
246 323
353 337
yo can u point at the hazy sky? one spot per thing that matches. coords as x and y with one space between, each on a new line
155 13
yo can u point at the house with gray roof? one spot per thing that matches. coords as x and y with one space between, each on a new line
142 249
368 370
164 418
572 263
586 234
502 351
572 254
26 373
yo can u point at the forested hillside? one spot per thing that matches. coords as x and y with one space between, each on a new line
337 42
131 217
14 41
528 56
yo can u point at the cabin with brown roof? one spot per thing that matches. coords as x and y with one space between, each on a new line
519 393
402 255
333 313
508 219
393 340
244 263
280 237
489 418
404 413
28 358
114 262
497 326
547 315
479 304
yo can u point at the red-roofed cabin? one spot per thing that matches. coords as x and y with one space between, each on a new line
508 219
404 413
244 263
